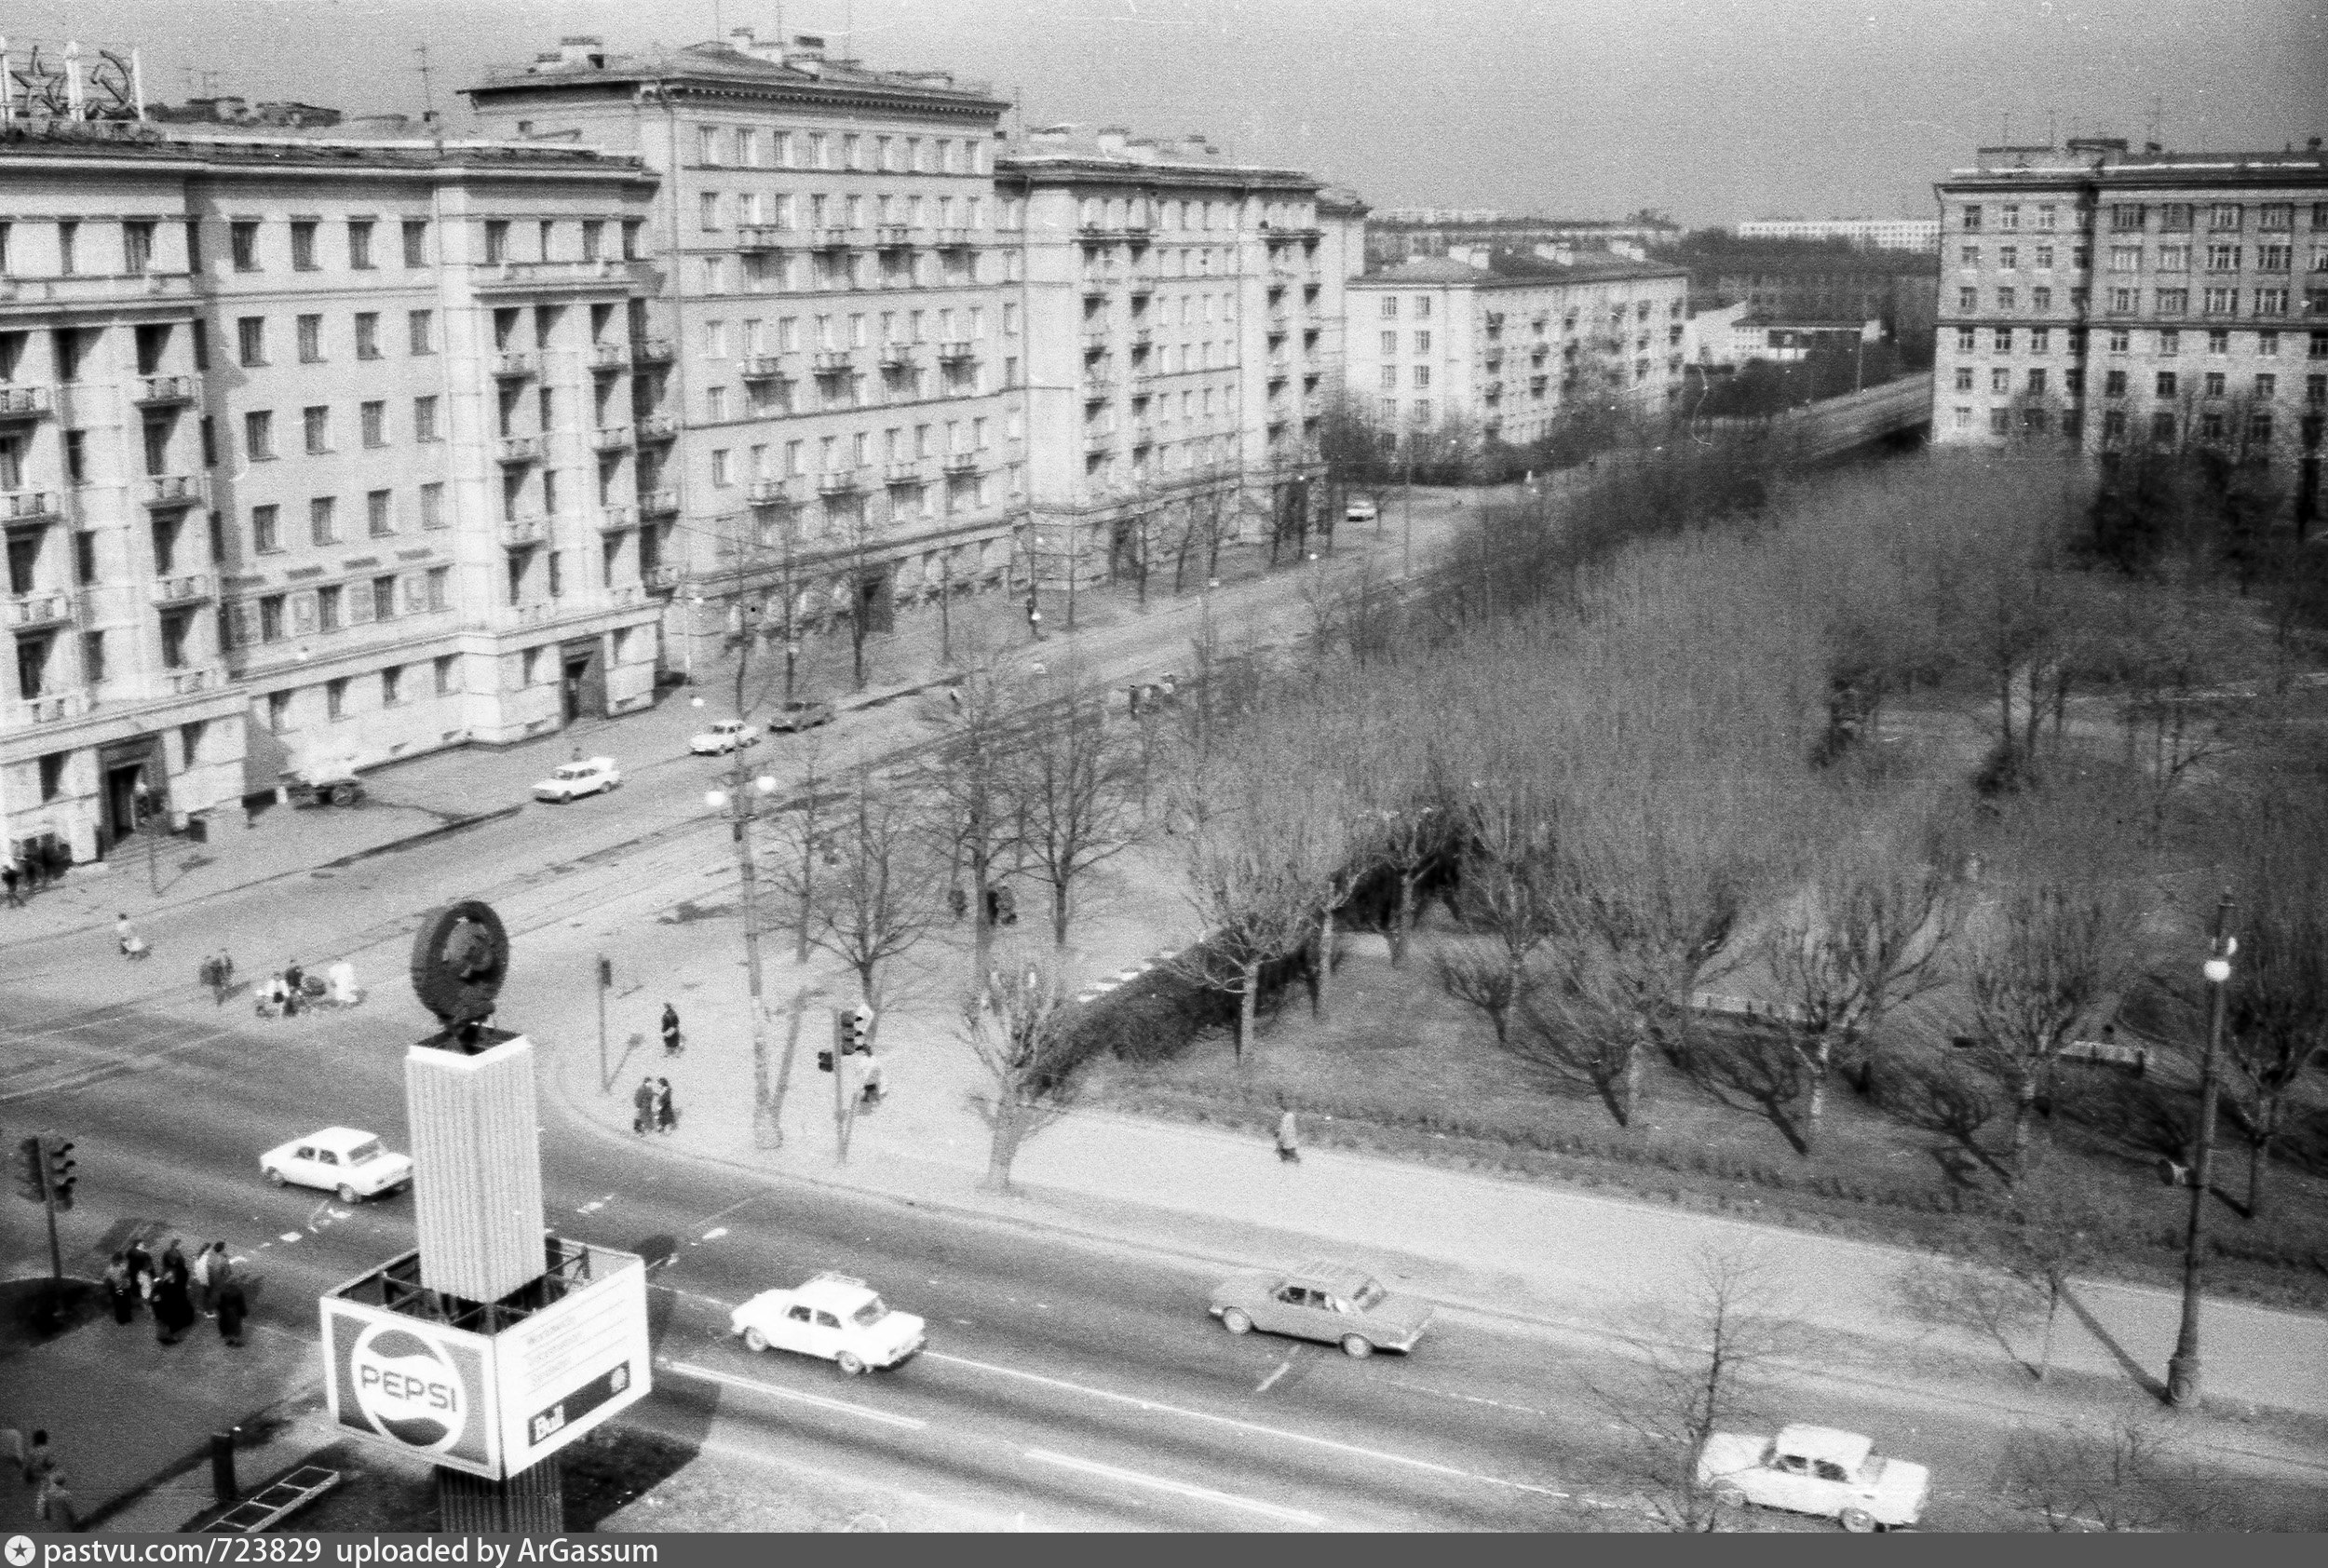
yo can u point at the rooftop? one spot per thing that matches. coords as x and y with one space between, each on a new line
2109 161
1513 269
1113 151
741 62
392 145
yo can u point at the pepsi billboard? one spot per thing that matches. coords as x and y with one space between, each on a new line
418 1385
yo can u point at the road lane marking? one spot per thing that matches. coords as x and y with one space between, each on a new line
1467 1399
1284 1367
752 1384
1180 1489
715 1233
1255 1427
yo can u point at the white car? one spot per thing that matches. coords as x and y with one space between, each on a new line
1815 1470
1361 510
343 1160
833 1316
571 782
727 735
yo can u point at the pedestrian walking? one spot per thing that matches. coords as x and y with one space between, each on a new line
666 1114
126 937
957 902
209 1271
121 1290
643 1101
670 1030
53 1502
1289 1136
234 1308
7 880
37 1458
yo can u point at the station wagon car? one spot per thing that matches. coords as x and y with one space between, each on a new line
1815 1470
596 776
1335 1303
343 1160
832 1316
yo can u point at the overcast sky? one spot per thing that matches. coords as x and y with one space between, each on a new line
1713 110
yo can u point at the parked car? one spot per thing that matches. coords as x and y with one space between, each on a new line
1815 1470
1335 1303
832 1316
725 735
801 715
596 776
323 780
1361 510
344 1160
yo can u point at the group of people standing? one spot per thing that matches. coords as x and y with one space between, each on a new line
25 874
179 1293
655 1111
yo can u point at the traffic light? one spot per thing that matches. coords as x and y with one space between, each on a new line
31 1172
60 1176
840 1042
605 972
857 1030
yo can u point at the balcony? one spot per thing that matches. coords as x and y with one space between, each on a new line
832 239
661 577
1098 440
768 492
186 683
24 402
843 482
605 356
1279 369
613 517
165 391
658 502
28 508
611 437
41 296
522 533
183 588
1142 287
510 367
1095 288
52 708
517 448
1097 388
954 239
956 353
901 473
893 236
554 278
652 351
657 428
762 367
961 462
174 491
1493 390
832 362
30 611
897 356
1495 357
764 237
1142 433
1144 338
1095 343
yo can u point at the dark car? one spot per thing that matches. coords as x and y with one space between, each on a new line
795 716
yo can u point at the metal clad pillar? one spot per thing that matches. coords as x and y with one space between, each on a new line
529 1503
477 1145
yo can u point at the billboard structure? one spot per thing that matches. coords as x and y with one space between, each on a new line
488 1389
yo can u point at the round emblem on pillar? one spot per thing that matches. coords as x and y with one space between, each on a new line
460 957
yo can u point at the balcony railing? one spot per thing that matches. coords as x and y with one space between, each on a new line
613 515
658 502
893 236
161 391
768 492
661 576
961 462
508 366
953 239
832 239
658 427
610 438
186 683
503 278
171 491
901 473
652 351
517 533
1095 343
183 588
832 362
610 356
955 353
27 508
517 448
1097 388
897 356
1142 433
28 611
764 237
53 707
840 483
24 402
1144 338
97 291
763 367
1141 287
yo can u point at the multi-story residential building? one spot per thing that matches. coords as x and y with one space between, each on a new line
835 329
2122 299
308 447
1504 342
1183 320
1400 234
1869 233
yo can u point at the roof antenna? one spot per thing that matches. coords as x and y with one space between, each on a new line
427 98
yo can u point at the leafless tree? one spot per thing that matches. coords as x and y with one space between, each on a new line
876 900
1016 1023
1076 782
1508 874
2277 1009
2044 962
2055 1234
1253 863
800 846
2080 1477
971 783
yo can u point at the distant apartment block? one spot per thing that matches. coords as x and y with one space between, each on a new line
2120 300
309 444
1183 323
1506 341
1871 234
1401 233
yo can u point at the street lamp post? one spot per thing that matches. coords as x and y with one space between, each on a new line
695 614
2182 1367
1406 515
737 797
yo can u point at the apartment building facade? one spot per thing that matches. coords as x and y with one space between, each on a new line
2116 300
1183 321
1498 344
1871 234
308 448
835 332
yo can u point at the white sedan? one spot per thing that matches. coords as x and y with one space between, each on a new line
830 1315
342 1160
1815 1470
725 735
596 776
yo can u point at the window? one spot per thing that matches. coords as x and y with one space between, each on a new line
303 244
384 599
335 698
323 520
2223 215
250 340
359 244
1972 218
2114 383
391 685
2224 258
1964 378
719 467
1999 421
2271 301
2275 258
1390 377
1421 343
2040 299
258 434
2222 301
137 247
440 597
2218 341
1967 340
2006 298
593 239
380 513
1967 298
2166 383
432 505
2126 216
496 241
2215 382
425 419
708 212
2007 256
2002 341
310 339
242 241
415 243
318 424
264 521
447 667
420 329
2266 387
271 630
2267 346
708 145
373 418
1389 307
327 609
2000 380
367 335
2170 343
1422 308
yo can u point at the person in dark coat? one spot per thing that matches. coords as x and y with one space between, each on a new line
643 1104
174 1263
234 1308
666 1114
173 1308
670 1030
141 1263
121 1290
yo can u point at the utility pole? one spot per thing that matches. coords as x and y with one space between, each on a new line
1406 515
2182 1367
605 978
737 799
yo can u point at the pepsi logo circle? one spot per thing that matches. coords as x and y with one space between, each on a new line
407 1388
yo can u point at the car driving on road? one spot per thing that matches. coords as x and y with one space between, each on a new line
1815 1470
346 1162
801 715
833 1316
725 735
593 777
1335 1303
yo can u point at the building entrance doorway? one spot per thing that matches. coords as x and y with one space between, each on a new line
582 679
